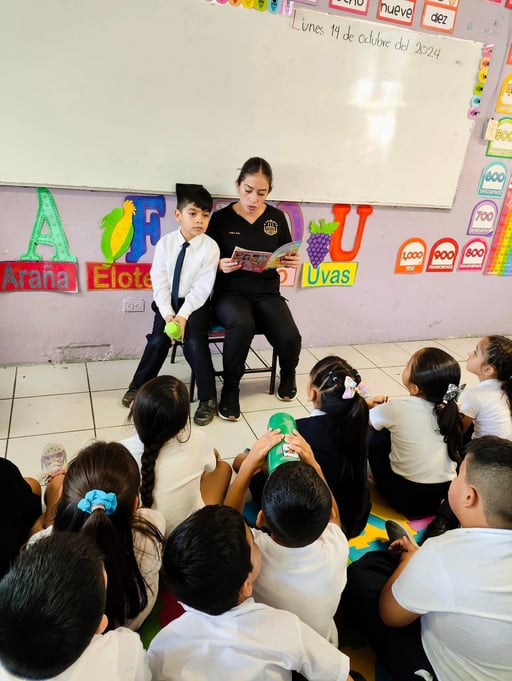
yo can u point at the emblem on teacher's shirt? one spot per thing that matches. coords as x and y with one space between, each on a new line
270 227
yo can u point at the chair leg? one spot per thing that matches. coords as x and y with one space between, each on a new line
173 352
192 385
273 370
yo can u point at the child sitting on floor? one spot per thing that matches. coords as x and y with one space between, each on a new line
180 470
414 457
211 562
304 558
52 614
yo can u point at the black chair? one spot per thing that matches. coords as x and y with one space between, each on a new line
216 337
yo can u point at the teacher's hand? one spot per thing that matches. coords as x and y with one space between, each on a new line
227 265
291 260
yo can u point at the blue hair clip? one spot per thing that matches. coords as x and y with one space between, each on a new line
97 498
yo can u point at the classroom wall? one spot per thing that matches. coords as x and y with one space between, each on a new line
379 306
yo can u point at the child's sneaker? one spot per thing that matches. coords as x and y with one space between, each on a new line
53 461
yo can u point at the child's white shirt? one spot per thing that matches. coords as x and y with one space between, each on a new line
250 642
489 408
117 656
307 581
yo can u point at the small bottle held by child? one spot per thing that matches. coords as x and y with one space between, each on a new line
281 453
173 330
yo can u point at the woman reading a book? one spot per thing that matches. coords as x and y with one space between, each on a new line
246 300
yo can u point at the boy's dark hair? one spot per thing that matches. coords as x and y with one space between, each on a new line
489 469
193 193
296 504
51 605
207 558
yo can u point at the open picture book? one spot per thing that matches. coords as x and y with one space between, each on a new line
257 261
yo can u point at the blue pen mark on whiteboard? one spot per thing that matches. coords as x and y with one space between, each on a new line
274 6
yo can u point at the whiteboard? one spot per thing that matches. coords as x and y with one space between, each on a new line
136 96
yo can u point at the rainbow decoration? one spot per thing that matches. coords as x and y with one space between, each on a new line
500 258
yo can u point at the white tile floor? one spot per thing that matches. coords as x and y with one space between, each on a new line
71 403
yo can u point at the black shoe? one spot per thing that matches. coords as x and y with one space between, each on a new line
205 412
229 406
438 526
396 531
287 387
128 397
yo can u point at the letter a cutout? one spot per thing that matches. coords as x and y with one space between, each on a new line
47 212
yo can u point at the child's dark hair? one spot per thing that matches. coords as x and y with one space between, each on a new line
253 166
193 193
160 412
51 605
489 469
111 468
328 377
296 503
498 352
207 558
433 370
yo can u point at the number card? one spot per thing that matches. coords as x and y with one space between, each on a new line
410 258
494 179
397 11
501 145
442 255
473 255
483 218
439 16
357 6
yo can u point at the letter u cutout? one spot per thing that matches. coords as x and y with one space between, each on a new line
340 212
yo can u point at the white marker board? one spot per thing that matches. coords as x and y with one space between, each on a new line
136 96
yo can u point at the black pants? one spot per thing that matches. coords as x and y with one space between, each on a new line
398 648
195 348
414 499
242 316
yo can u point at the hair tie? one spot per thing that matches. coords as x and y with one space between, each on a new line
97 498
351 387
453 392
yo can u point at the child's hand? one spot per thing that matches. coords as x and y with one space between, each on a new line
301 447
183 323
256 458
376 399
404 545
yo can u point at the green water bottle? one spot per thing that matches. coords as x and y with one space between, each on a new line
173 330
281 453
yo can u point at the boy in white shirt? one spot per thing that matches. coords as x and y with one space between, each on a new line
304 558
52 605
210 563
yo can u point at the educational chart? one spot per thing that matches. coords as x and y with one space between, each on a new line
346 110
500 258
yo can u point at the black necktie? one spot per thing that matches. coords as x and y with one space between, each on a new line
176 277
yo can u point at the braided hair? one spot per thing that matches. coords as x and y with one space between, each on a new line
160 412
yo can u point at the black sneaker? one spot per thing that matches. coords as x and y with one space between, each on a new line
396 531
229 406
205 412
128 397
287 387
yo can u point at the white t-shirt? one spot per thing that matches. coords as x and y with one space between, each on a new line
117 655
250 642
307 581
461 584
178 470
488 406
418 452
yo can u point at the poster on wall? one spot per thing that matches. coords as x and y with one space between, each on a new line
397 11
31 272
356 6
501 144
410 258
500 258
439 15
493 180
473 255
483 218
442 255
